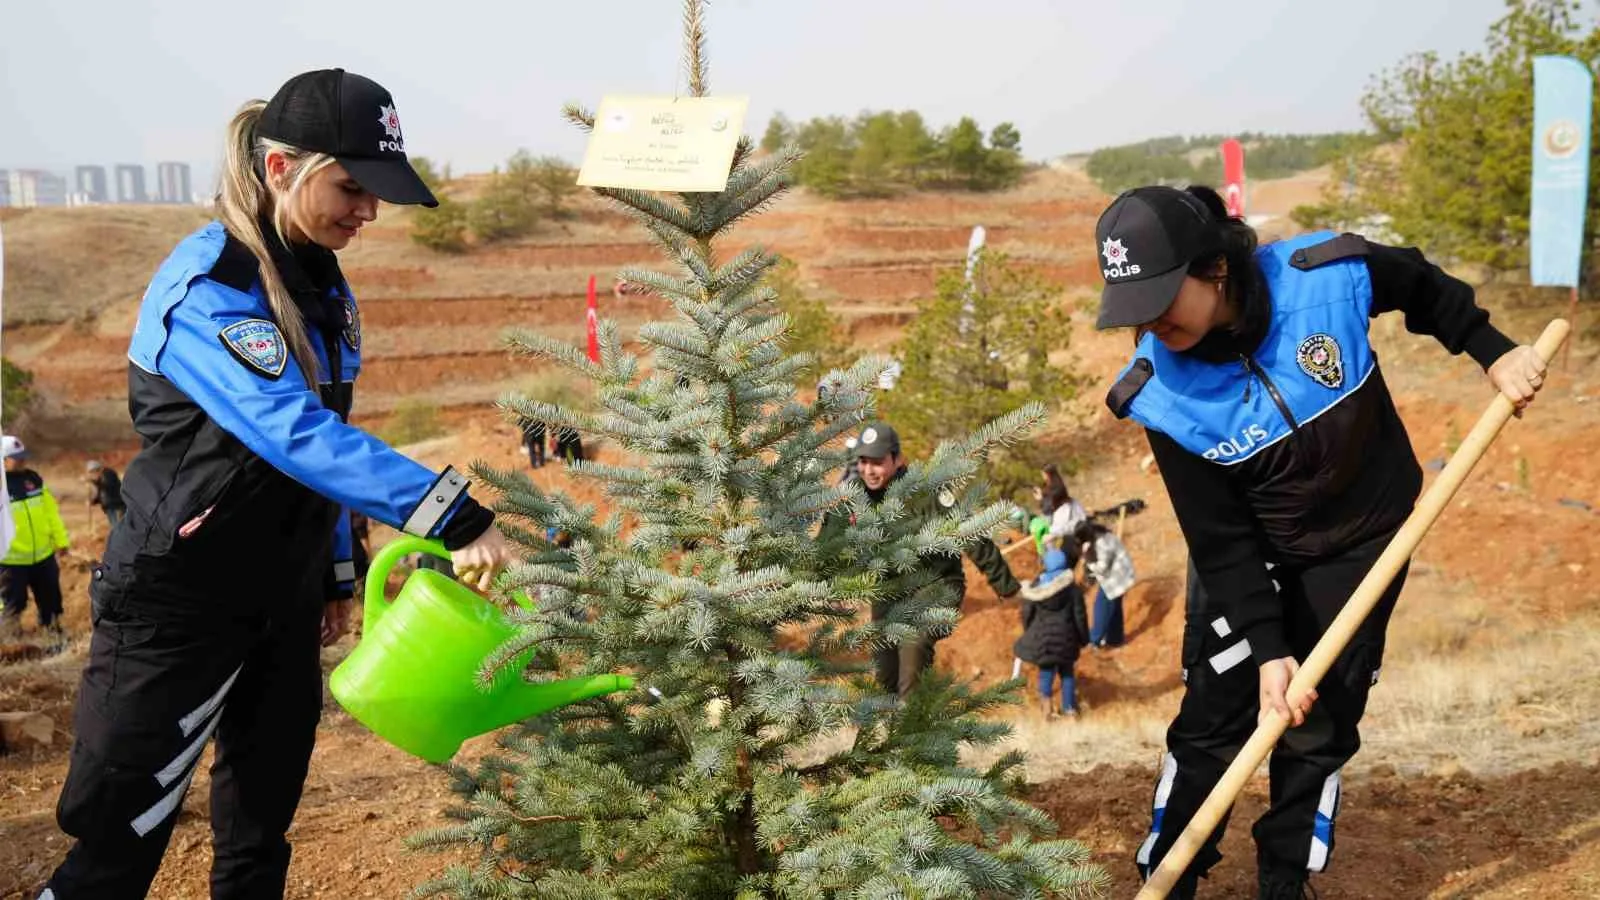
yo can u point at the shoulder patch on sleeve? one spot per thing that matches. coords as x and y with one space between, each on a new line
1342 247
352 323
258 344
1129 386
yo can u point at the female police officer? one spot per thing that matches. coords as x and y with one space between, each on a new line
234 561
1280 447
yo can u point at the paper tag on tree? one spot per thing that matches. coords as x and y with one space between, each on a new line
682 144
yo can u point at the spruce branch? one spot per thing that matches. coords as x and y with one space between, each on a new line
578 115
532 343
671 224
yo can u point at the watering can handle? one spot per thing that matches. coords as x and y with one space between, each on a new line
376 604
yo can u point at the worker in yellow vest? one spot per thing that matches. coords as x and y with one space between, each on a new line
30 560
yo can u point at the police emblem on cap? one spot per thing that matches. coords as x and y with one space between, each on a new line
258 344
1319 357
947 499
390 120
352 324
1117 264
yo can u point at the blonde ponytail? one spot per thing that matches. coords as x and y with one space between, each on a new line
241 202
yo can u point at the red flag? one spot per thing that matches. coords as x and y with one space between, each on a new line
1233 176
592 322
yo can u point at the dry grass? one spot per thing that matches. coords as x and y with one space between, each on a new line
452 340
480 278
1518 702
65 264
1122 735
1522 699
62 667
1019 251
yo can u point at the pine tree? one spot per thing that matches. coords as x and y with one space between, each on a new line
779 134
443 228
980 350
1461 187
814 329
555 182
707 582
16 395
964 152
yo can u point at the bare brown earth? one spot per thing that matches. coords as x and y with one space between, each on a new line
1480 776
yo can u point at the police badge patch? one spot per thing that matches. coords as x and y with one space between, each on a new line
352 324
258 344
1319 357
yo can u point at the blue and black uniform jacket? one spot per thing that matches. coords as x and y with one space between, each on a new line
1277 439
240 495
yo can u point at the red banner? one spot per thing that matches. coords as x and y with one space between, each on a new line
1233 177
592 325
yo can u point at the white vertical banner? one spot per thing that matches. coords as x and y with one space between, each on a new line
974 247
974 244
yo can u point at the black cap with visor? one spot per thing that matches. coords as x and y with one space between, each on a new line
352 119
1147 238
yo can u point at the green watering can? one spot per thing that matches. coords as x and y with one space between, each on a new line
413 677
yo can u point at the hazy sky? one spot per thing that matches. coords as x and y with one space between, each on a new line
150 80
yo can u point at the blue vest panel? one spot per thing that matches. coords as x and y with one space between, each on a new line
1316 352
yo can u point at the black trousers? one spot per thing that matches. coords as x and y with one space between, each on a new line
156 689
1221 703
569 446
43 578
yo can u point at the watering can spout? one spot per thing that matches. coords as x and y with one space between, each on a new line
531 700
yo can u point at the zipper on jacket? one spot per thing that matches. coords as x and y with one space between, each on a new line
1272 391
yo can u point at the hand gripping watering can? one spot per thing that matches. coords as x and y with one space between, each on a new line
413 677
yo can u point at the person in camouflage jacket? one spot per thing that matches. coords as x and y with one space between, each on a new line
879 464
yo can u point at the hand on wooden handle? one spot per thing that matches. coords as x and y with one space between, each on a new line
1519 374
1275 677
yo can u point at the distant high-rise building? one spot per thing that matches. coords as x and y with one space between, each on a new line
172 183
91 183
35 187
5 188
51 189
130 184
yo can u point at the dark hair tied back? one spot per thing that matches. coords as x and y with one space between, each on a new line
1236 244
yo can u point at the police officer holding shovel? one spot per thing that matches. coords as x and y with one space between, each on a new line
1279 443
233 564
